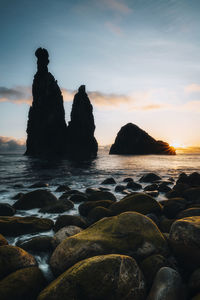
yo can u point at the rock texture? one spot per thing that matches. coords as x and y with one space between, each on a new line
82 143
133 140
46 121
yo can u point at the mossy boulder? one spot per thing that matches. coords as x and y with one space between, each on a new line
129 233
185 241
11 226
35 199
151 265
167 286
173 206
66 220
3 240
64 233
23 284
13 258
106 277
101 195
139 202
6 209
97 213
37 244
166 224
86 207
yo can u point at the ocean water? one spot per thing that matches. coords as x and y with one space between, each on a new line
18 172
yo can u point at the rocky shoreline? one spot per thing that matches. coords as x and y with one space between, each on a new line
134 248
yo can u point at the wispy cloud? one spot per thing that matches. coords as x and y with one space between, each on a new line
16 95
117 5
114 28
192 88
11 144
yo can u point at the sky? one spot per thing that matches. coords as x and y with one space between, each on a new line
139 60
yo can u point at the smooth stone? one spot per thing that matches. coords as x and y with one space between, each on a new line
152 193
192 195
102 195
150 177
166 224
64 233
119 188
13 258
12 226
86 207
151 187
99 278
194 282
18 196
92 190
133 186
24 284
62 188
167 286
128 179
36 244
173 206
38 185
189 212
67 194
98 213
77 198
35 199
164 188
3 240
66 220
129 233
109 180
6 209
59 207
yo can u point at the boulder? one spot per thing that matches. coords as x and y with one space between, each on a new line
139 202
133 140
112 277
150 177
3 240
97 213
102 195
109 180
35 199
38 185
92 190
58 207
11 226
64 233
62 188
167 286
81 141
189 212
128 179
6 209
133 186
192 195
173 206
151 187
165 224
164 188
23 284
36 244
77 198
129 233
84 208
66 220
185 241
194 282
119 188
17 196
13 258
46 128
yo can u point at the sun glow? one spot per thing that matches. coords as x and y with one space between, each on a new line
177 145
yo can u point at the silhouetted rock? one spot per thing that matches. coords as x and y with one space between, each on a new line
81 140
46 124
133 140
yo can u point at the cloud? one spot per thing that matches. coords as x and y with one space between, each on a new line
114 28
16 95
9 144
117 5
192 88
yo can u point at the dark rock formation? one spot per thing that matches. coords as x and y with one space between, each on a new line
81 140
46 125
133 140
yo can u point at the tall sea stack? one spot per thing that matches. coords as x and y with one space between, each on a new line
81 141
46 127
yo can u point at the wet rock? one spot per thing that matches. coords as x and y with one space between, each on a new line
194 282
13 258
154 218
36 244
133 140
109 180
3 240
66 220
12 226
129 233
6 209
101 277
140 202
182 178
192 195
173 194
87 206
151 265
133 186
165 224
62 188
58 207
77 198
173 206
150 177
128 179
164 188
98 213
190 212
81 141
69 193
46 126
38 185
92 190
167 286
38 198
151 187
152 193
64 233
17 196
23 284
185 241
119 188
194 179
102 195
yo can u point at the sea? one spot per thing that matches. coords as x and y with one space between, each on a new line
19 172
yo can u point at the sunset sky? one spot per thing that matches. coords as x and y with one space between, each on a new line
139 60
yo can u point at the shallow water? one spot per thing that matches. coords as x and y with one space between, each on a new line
18 172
